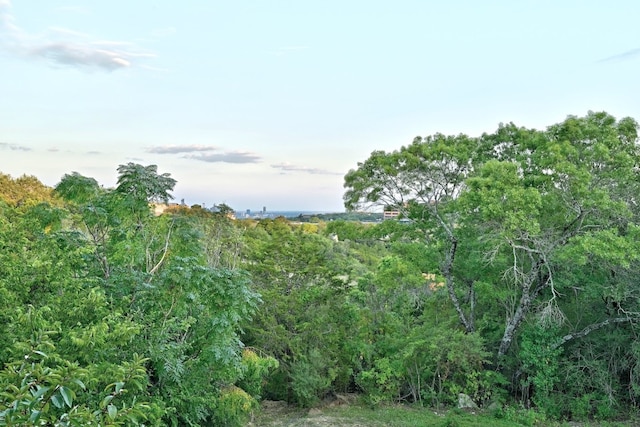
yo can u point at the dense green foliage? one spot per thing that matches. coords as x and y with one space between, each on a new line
537 236
514 280
113 316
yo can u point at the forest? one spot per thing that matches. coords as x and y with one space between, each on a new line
512 280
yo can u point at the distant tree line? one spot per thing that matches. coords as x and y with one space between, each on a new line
345 216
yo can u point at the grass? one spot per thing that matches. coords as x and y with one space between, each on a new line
402 416
356 415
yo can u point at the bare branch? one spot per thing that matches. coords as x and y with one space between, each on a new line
165 251
593 327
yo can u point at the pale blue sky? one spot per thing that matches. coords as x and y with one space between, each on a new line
270 103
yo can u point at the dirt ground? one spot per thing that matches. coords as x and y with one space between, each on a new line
279 414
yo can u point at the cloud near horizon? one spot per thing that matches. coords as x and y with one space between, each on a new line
177 149
13 147
237 157
63 47
287 167
207 153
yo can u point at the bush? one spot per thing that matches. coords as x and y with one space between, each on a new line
310 379
233 407
382 382
254 371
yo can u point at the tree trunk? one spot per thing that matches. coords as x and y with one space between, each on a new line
527 297
447 271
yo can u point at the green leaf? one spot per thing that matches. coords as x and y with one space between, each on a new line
112 410
35 416
38 394
80 383
106 401
119 386
57 401
67 395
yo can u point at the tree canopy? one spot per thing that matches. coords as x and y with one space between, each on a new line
528 223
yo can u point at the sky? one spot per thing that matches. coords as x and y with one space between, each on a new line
270 103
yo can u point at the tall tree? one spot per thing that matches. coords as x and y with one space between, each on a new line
513 202
156 270
423 180
143 183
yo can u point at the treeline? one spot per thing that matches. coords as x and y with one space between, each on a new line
515 283
344 216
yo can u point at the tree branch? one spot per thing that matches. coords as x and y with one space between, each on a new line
593 327
165 251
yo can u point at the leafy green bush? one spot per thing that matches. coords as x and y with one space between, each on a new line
310 378
233 407
255 370
44 388
540 363
382 382
521 416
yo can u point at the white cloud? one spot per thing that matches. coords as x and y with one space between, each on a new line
207 153
82 55
64 47
176 149
227 157
13 147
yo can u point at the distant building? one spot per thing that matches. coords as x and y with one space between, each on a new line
390 212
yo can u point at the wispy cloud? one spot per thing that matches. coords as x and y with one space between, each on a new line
91 55
206 153
629 54
177 149
227 157
63 47
288 167
13 147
